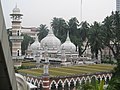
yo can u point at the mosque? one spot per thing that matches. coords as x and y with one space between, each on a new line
58 53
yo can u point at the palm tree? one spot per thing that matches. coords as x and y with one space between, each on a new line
95 39
43 31
111 29
83 36
60 28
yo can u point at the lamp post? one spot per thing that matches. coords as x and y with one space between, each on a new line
46 70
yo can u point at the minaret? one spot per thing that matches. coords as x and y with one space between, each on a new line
118 5
16 37
46 72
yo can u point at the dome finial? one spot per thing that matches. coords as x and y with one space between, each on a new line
16 5
36 37
50 31
68 38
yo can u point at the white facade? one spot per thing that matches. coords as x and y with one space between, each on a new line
118 5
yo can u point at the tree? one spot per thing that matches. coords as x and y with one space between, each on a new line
111 29
111 34
83 37
73 24
24 45
43 31
95 39
60 28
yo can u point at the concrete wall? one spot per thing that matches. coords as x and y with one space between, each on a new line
7 75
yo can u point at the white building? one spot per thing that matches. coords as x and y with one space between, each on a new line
118 5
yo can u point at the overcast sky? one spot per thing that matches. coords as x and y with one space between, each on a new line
38 12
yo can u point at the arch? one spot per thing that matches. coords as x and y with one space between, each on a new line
77 79
104 76
82 81
107 80
53 81
98 79
66 85
60 81
32 81
66 80
40 85
72 80
94 76
28 79
36 82
108 75
77 83
104 79
72 84
87 79
53 85
93 80
99 76
60 85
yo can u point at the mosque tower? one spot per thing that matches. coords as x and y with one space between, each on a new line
118 5
16 37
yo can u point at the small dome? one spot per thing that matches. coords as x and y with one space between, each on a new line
51 41
16 10
68 45
36 44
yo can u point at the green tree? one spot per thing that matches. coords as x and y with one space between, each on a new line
43 31
111 34
73 25
83 37
111 29
60 28
24 45
95 39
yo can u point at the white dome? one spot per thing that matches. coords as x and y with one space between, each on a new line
68 45
51 41
16 10
36 44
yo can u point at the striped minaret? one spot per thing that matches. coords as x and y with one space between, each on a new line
16 37
118 5
46 71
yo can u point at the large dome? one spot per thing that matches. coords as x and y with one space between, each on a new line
36 44
68 45
16 10
51 41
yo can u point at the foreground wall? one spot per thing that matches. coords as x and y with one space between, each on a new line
7 75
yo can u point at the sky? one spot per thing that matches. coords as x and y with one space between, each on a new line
36 12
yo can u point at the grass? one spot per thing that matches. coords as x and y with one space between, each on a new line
71 70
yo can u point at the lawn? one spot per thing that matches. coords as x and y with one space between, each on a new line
71 70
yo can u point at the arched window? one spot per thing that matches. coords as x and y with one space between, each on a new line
18 53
